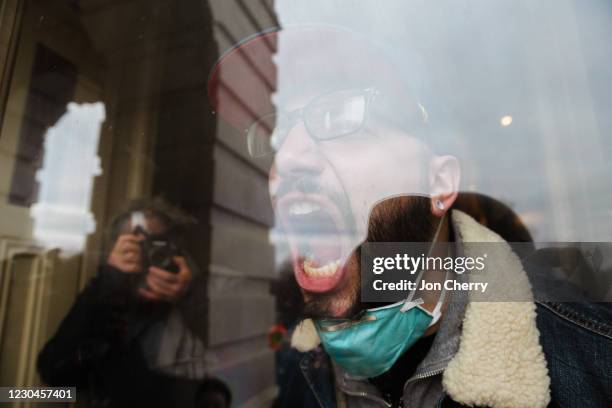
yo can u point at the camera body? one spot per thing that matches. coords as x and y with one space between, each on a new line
159 251
155 249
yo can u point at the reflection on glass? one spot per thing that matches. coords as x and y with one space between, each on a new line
61 215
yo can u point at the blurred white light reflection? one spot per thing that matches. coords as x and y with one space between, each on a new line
61 216
506 120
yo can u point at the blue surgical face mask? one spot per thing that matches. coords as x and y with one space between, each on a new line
369 346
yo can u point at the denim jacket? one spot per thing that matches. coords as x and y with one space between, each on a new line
579 369
497 354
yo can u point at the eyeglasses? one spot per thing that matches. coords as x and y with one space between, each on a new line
329 116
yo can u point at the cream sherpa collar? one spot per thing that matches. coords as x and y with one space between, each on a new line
500 362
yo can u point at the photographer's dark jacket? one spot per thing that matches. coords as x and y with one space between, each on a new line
490 354
122 350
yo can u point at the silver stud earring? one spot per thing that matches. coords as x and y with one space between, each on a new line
439 205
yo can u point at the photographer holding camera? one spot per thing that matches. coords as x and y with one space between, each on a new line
127 341
147 245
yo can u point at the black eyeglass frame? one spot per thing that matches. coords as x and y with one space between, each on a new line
294 116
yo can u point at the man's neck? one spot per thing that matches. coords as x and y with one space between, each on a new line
391 383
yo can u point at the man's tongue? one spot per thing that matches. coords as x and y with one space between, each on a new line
322 261
320 266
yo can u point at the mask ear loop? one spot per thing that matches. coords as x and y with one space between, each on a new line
437 312
409 303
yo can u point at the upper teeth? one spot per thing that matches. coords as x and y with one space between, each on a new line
323 271
301 208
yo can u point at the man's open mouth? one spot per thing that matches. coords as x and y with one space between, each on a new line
317 236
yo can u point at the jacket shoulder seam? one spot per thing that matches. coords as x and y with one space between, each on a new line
579 319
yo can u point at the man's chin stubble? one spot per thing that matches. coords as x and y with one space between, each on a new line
331 306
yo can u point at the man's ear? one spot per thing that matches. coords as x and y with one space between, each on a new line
444 177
